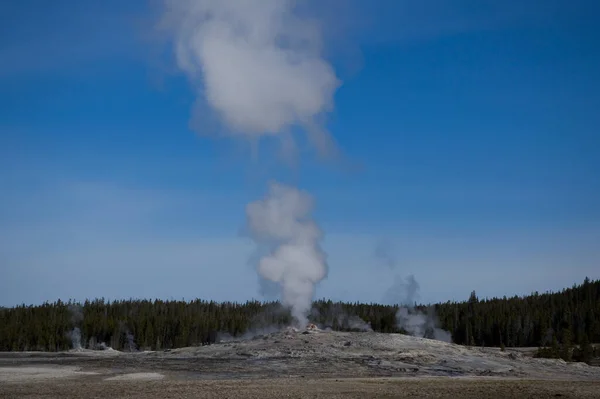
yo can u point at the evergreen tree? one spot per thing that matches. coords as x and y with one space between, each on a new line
586 350
567 346
571 317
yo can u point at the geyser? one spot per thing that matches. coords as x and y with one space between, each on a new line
296 262
257 67
75 337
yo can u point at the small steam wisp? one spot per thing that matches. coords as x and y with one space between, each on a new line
405 292
75 337
76 318
131 347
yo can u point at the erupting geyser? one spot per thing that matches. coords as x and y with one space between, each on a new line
75 337
257 66
296 261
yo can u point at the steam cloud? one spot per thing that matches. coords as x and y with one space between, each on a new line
402 291
405 292
75 337
420 324
76 318
131 347
335 316
257 64
297 263
249 334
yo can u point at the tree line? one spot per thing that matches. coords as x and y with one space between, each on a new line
570 317
562 324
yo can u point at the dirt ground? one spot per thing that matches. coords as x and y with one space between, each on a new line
437 387
291 364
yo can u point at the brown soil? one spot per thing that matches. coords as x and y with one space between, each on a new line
455 388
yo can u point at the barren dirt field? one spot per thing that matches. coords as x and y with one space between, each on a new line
305 388
293 364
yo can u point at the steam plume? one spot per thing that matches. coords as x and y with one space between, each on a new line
257 67
75 337
420 324
405 292
383 252
402 291
335 316
131 347
257 64
282 219
76 318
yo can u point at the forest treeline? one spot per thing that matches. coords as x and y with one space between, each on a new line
569 317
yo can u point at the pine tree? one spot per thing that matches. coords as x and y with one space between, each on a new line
567 346
586 350
554 348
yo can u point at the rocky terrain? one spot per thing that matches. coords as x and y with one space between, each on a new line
294 357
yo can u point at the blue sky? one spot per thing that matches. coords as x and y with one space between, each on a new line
475 126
